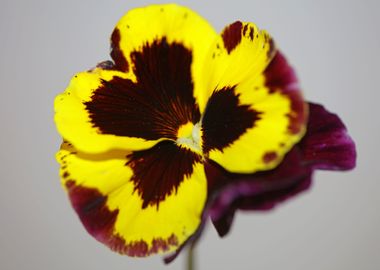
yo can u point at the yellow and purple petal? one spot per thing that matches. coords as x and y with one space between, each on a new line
137 203
326 145
250 123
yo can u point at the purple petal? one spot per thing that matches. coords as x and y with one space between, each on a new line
259 191
224 222
263 202
326 144
269 200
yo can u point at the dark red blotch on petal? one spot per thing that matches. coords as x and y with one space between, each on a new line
116 54
157 172
157 104
232 35
269 156
225 120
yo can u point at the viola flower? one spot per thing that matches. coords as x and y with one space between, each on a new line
183 124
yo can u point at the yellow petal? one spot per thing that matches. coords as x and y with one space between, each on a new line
240 53
127 214
143 27
247 124
73 118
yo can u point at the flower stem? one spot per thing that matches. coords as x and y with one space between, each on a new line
190 258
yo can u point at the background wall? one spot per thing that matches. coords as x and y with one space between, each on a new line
334 46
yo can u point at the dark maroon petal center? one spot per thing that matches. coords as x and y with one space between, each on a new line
158 172
157 104
225 120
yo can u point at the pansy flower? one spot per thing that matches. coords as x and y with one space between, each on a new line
185 124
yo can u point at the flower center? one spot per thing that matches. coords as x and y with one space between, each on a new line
189 136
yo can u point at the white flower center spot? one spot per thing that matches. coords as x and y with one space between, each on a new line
189 136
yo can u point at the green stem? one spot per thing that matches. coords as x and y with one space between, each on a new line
190 258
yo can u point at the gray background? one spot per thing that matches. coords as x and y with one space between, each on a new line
334 46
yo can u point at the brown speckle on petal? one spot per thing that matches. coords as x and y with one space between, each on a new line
141 248
269 157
